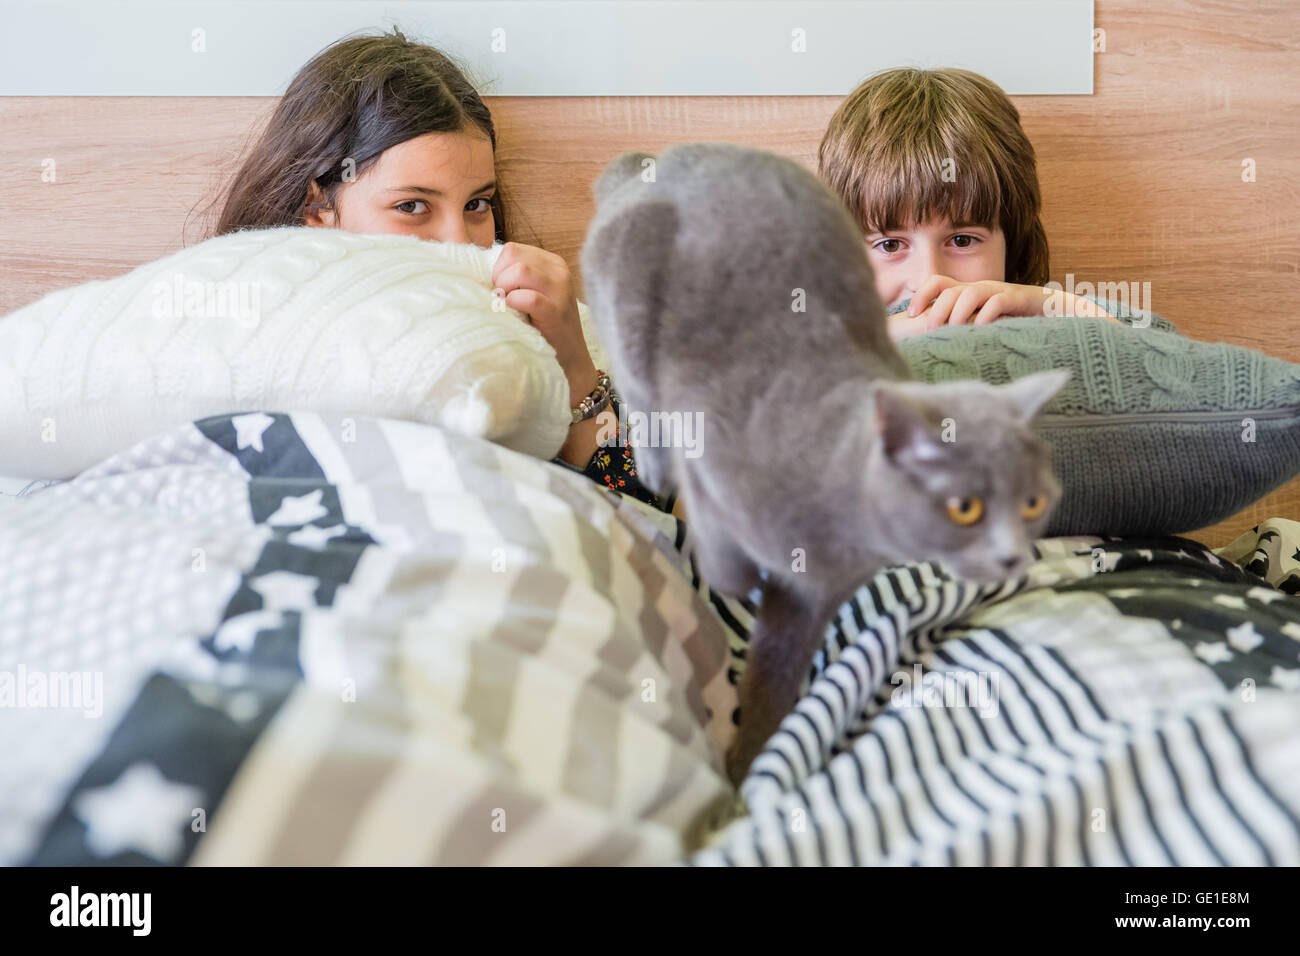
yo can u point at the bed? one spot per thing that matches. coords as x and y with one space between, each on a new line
319 651
266 645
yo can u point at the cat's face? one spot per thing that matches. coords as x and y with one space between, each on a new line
967 481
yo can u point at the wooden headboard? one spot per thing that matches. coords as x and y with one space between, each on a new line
1142 181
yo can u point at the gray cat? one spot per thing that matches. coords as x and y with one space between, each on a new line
731 283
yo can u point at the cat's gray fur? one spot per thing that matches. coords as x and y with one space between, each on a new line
813 443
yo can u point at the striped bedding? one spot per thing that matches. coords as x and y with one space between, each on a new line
294 639
1130 703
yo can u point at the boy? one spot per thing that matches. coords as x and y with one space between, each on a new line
938 173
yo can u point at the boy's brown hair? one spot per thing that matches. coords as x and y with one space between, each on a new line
884 153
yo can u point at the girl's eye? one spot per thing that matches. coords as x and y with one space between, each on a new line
401 207
1034 507
486 207
969 240
889 246
965 511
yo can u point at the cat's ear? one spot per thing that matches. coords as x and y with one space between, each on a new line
904 424
631 253
1029 394
620 170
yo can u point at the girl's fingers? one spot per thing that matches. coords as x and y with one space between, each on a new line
506 261
515 275
527 267
531 303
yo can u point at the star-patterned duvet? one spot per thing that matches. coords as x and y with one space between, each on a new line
297 639
300 639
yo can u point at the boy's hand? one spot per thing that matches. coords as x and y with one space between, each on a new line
538 284
978 303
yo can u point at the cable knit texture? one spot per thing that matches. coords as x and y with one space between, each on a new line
289 319
1154 433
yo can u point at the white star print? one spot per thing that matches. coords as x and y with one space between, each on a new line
1291 630
1147 553
1109 559
233 673
1230 600
242 706
1215 653
314 536
285 590
1266 595
249 429
1213 559
205 694
1286 678
197 664
300 510
142 811
1244 637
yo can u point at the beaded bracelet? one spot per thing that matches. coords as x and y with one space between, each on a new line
594 403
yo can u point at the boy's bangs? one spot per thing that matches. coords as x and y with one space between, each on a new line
920 182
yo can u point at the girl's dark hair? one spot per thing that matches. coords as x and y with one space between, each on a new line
352 101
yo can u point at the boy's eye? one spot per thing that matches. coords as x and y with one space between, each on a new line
889 246
401 207
969 240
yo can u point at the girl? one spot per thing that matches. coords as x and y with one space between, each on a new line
378 134
941 178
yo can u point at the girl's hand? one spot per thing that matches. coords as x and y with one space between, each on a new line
538 284
958 303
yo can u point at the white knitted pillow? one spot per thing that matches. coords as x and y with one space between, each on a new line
290 319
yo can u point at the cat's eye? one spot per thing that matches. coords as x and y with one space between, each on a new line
965 511
1034 507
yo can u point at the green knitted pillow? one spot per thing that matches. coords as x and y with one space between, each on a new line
1154 433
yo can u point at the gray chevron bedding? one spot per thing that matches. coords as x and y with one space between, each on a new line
270 639
291 639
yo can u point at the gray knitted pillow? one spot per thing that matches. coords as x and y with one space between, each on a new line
1154 433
